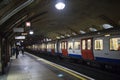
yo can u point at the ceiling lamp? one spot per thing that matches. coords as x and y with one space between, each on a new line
74 33
28 24
68 35
107 26
107 35
58 37
22 41
62 37
60 5
31 32
82 32
49 39
92 29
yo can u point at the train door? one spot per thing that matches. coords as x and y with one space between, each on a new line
64 48
53 48
87 49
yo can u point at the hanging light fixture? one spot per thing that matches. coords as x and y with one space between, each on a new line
31 32
28 24
60 4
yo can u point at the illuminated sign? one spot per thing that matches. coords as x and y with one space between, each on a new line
28 24
19 37
18 29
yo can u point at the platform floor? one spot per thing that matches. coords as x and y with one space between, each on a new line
30 67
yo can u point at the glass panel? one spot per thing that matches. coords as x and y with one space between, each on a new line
55 46
77 45
89 44
40 46
35 47
49 46
70 45
83 45
52 46
65 43
99 44
43 46
62 45
115 44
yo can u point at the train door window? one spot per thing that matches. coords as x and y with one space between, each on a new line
99 44
35 47
62 45
83 44
43 46
70 45
39 47
65 43
89 44
115 44
55 46
77 45
52 46
49 46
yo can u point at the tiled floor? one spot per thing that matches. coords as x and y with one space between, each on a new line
3 77
26 67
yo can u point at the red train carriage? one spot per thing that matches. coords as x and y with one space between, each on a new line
87 49
64 45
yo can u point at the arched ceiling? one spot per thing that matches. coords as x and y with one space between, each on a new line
48 22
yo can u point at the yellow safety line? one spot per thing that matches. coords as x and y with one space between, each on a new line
60 68
80 77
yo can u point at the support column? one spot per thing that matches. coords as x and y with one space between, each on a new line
0 55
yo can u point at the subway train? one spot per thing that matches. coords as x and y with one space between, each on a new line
97 49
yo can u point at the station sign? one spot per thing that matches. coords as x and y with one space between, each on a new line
24 34
18 29
19 37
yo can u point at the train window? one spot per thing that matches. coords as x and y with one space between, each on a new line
48 46
55 46
77 45
83 45
63 45
115 44
43 46
89 44
70 45
35 47
39 47
52 46
99 44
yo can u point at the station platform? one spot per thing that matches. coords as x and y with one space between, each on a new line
30 67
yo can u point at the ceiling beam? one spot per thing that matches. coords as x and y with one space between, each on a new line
36 16
110 21
72 30
15 11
